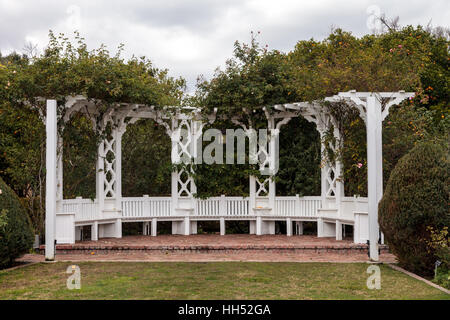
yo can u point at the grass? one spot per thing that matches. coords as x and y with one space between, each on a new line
212 280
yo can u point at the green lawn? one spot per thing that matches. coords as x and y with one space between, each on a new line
213 280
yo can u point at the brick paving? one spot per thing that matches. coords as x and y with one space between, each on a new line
214 257
217 240
203 248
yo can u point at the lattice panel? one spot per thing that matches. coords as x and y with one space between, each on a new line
110 167
185 183
331 182
262 187
263 156
184 141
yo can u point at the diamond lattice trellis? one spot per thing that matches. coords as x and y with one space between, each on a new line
263 156
184 140
262 187
185 183
110 167
331 182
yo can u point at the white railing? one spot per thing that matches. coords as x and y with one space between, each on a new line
84 209
134 208
223 206
237 206
297 206
209 207
146 207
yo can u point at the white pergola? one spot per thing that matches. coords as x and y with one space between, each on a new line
66 217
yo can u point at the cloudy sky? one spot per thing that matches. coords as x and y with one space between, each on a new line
194 37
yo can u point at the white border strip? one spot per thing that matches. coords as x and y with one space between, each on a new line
415 276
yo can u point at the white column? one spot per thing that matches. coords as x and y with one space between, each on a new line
320 226
288 227
373 124
174 191
222 206
145 227
59 173
324 168
338 230
94 231
272 193
379 149
100 178
339 175
175 159
154 227
222 226
187 226
274 134
252 193
118 166
50 190
299 226
195 134
78 233
258 226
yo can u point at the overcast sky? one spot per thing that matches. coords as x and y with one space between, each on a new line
194 37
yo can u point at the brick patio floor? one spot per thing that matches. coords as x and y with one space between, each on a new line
231 240
203 248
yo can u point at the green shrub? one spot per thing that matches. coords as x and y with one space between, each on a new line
16 235
440 242
416 198
442 276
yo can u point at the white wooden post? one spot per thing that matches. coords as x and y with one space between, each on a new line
146 205
146 212
320 232
338 229
59 173
154 227
187 226
297 209
299 227
272 193
379 143
288 227
252 194
50 191
118 186
174 192
79 212
175 159
373 123
195 134
94 231
100 178
258 225
145 226
339 176
222 206
324 166
222 226
274 133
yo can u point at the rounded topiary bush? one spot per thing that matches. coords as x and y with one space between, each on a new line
416 197
16 235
